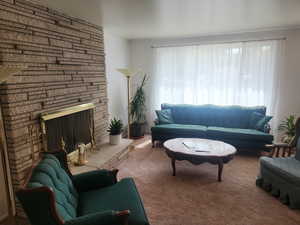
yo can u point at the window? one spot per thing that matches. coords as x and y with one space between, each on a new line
242 73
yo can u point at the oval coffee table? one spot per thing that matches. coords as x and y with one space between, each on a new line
198 151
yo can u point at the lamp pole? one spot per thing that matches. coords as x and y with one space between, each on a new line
128 100
128 73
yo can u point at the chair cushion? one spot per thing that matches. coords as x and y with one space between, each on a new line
49 173
180 129
120 196
239 134
287 168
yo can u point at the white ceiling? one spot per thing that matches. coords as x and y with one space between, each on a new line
182 18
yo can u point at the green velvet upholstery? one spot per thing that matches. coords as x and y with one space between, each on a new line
93 180
232 124
124 192
281 177
49 173
98 218
92 198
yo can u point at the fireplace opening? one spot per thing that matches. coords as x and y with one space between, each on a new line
68 128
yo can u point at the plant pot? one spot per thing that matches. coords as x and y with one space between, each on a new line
115 139
137 130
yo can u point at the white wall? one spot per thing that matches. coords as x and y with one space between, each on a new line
117 56
289 92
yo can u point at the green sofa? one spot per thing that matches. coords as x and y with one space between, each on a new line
54 197
231 124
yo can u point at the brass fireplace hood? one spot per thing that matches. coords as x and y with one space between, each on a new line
64 112
67 111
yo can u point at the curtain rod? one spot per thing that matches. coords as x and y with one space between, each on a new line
216 42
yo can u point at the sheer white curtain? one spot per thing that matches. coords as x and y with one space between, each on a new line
241 73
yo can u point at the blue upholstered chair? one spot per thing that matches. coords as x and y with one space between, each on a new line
280 171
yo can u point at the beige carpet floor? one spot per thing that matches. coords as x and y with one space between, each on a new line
194 197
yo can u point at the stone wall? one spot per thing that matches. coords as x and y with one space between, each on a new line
65 67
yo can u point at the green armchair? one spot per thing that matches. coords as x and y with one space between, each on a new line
52 196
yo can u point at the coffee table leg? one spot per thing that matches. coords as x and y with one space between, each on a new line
173 166
220 163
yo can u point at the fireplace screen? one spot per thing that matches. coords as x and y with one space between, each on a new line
68 128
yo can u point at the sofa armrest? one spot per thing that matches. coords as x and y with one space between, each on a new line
156 122
94 179
267 128
101 218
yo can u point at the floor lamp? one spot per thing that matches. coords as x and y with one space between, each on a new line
128 74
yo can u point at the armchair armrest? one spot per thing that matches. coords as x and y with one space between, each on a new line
94 179
101 218
156 122
280 150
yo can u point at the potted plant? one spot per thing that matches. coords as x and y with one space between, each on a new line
288 128
115 129
137 111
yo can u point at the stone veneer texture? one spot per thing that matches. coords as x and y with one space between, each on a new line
65 67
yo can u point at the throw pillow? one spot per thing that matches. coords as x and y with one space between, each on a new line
164 116
254 119
261 121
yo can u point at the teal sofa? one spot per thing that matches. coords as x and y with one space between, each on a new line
231 124
54 197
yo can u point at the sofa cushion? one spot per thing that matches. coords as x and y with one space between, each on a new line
238 134
164 116
180 129
213 115
120 196
49 173
287 167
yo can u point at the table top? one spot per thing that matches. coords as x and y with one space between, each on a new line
199 147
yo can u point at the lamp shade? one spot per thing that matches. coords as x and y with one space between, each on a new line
8 70
127 72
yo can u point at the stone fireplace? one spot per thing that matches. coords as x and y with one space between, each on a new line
65 67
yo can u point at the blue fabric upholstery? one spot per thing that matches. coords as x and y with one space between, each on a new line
238 134
286 167
231 124
281 177
49 173
213 115
183 129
